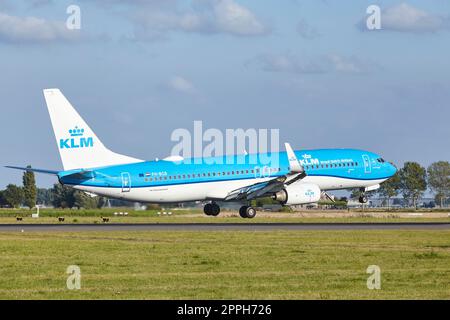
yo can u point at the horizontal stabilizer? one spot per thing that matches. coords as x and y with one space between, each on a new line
34 170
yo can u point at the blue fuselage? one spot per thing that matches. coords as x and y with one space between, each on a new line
354 166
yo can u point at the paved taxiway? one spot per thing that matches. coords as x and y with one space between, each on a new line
222 227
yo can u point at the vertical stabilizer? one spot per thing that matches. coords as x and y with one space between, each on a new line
79 147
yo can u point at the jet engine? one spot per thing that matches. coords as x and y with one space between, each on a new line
301 193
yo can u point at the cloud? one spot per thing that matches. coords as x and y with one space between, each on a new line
23 30
306 31
156 21
288 63
40 3
406 18
235 19
351 64
181 85
30 4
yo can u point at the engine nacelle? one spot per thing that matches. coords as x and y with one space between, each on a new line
298 194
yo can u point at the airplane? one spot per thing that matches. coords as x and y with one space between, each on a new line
300 177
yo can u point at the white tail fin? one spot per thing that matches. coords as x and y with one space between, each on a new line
78 145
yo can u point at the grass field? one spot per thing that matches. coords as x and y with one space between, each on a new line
226 264
8 216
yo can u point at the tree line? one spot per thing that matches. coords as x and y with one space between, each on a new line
411 181
59 196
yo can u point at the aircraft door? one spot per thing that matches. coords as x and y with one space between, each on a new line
367 164
126 182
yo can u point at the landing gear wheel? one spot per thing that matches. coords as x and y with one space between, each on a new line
247 212
251 212
207 209
215 210
363 199
242 211
211 209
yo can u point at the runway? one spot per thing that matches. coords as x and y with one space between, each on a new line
221 227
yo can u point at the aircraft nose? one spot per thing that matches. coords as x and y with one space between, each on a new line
392 168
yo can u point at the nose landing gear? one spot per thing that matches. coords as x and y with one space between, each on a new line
362 196
363 199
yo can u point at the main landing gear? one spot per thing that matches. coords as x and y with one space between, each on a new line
211 209
247 212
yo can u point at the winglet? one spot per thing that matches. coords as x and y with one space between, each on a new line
294 164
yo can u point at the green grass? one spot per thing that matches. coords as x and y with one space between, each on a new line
226 264
200 218
105 212
8 216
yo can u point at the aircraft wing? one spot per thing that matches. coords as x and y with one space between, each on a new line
256 190
260 189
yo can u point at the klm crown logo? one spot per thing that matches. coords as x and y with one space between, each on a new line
77 140
76 132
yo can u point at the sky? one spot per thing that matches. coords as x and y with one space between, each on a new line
138 70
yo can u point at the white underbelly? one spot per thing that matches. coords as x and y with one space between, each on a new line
335 183
213 190
174 193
